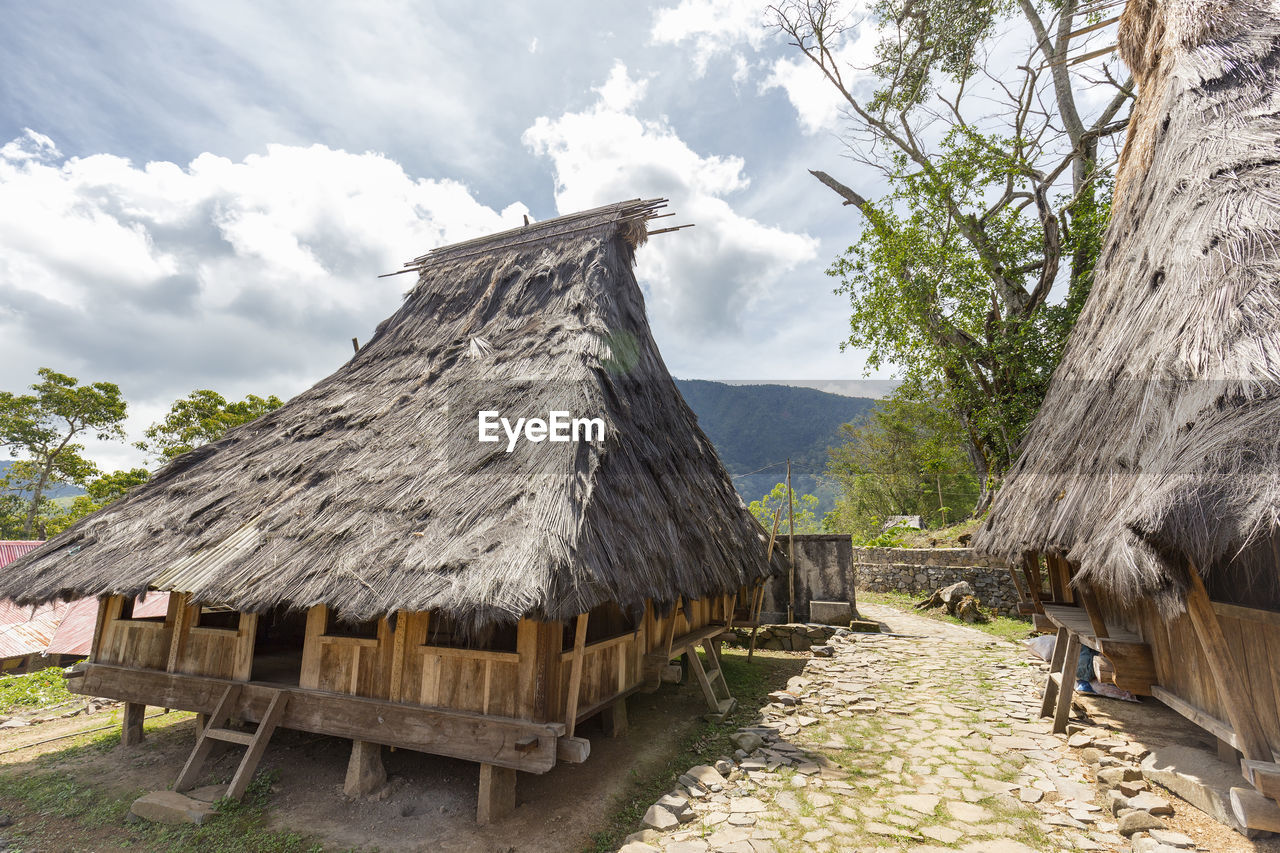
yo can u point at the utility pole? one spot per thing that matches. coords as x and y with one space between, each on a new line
791 545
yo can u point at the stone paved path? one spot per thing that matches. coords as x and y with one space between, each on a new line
919 743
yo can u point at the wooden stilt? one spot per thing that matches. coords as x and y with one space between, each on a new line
497 797
365 773
575 675
615 718
131 730
1233 695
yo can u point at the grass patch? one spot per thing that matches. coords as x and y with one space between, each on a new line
33 690
705 742
59 812
1004 627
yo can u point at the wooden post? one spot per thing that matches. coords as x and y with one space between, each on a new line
131 730
397 657
103 603
365 773
246 636
615 718
575 676
179 603
1094 612
497 797
1233 693
309 677
791 547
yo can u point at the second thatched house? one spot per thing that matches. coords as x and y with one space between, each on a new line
370 562
1148 488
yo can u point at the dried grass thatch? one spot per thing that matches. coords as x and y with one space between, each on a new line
370 492
1159 439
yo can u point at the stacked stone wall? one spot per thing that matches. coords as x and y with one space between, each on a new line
920 571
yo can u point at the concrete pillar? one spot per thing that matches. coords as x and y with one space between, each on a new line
497 797
365 773
131 731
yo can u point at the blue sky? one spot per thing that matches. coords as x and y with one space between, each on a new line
203 195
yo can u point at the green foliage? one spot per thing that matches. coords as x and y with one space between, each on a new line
890 538
1001 203
42 428
99 493
805 511
33 690
908 458
199 418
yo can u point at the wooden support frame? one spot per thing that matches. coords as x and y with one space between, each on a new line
1031 572
131 732
1094 611
1233 694
575 675
497 794
457 734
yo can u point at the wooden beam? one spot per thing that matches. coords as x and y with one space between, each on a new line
1219 728
615 718
575 675
457 734
246 634
1264 776
1135 667
1233 691
104 602
1254 811
497 794
131 730
181 623
309 677
397 656
1094 612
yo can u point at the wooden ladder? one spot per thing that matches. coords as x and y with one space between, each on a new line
713 683
255 743
1060 686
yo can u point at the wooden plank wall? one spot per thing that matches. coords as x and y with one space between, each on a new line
131 642
215 652
609 668
360 666
1181 667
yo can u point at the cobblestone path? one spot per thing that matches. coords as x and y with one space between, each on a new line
923 742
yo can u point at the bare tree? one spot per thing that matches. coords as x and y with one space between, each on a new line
999 189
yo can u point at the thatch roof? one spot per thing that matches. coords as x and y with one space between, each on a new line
1159 438
370 492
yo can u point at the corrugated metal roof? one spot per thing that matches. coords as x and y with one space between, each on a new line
203 566
11 550
75 634
33 635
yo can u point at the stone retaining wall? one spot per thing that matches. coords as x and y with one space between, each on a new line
920 571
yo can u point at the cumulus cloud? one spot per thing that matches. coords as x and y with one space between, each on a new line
248 276
703 280
712 27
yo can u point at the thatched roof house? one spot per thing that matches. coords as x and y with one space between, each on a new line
371 492
1157 440
363 548
1152 471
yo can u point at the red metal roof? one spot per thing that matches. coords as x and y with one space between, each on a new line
57 628
32 635
11 550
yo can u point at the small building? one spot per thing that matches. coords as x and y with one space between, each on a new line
361 563
1147 493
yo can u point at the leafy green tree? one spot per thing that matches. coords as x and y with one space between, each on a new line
908 458
43 428
199 418
999 189
806 511
98 493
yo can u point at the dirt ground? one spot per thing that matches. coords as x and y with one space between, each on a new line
429 802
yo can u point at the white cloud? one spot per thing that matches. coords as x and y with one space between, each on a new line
712 26
817 102
702 280
247 276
